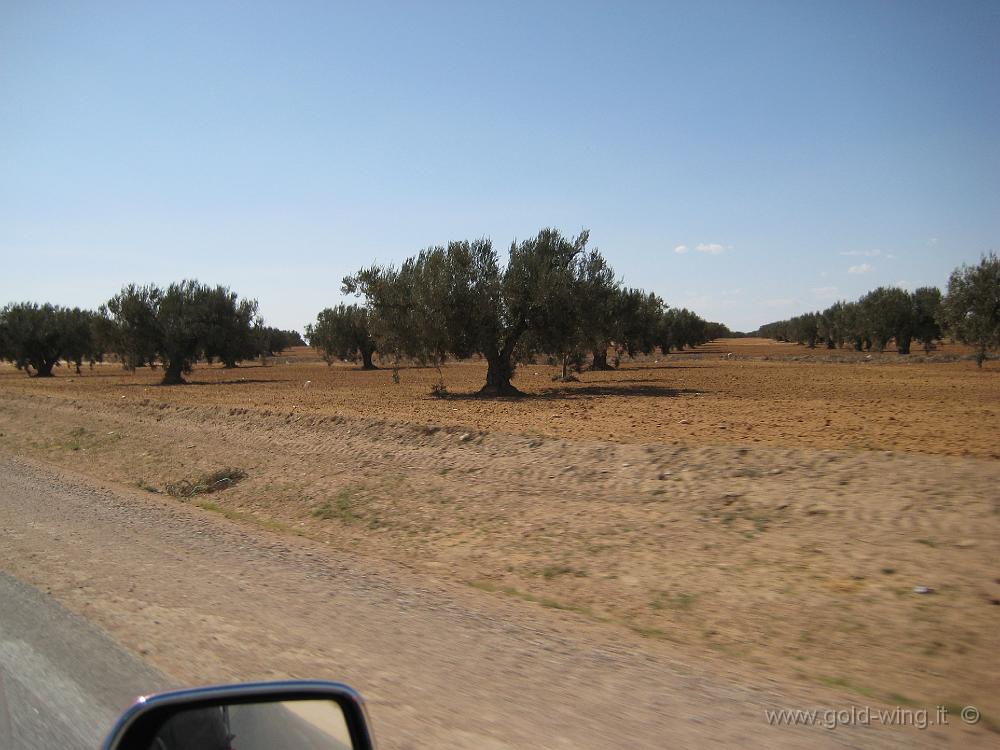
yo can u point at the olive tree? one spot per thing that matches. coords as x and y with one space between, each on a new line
889 314
129 326
589 320
680 327
343 332
35 337
850 324
177 325
458 300
970 311
830 325
634 323
926 310
271 341
228 326
82 338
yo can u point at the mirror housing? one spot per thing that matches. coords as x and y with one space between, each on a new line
141 724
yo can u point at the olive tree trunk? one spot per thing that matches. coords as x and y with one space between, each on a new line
43 369
174 373
499 371
366 358
601 360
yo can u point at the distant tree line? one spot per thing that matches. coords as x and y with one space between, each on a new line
554 297
969 312
142 326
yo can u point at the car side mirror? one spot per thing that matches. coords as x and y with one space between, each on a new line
295 715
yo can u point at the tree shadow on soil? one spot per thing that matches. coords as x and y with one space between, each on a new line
576 392
700 350
238 381
671 365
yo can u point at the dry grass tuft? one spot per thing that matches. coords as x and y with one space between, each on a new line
207 483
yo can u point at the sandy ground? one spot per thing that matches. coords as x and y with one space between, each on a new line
206 600
794 398
788 550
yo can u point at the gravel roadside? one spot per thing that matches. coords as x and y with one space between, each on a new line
204 599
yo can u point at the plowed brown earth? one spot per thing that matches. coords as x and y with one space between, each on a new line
690 398
694 500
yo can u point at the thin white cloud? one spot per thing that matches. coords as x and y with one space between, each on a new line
903 284
827 292
864 253
681 249
712 248
863 268
932 241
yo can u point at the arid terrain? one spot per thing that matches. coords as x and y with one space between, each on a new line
829 518
768 393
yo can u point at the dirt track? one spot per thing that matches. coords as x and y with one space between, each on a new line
802 561
206 600
726 546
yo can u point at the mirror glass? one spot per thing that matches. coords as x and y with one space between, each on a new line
289 725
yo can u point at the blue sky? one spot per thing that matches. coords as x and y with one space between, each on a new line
799 151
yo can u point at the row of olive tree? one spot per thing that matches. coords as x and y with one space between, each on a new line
969 312
142 325
637 322
554 296
37 337
883 315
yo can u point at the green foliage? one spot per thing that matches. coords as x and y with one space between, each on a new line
35 337
632 327
82 339
679 327
889 314
343 332
926 311
554 297
227 325
178 325
830 326
273 341
456 300
586 316
971 310
882 315
130 327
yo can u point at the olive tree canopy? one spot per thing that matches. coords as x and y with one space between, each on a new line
343 332
458 300
971 309
178 325
35 337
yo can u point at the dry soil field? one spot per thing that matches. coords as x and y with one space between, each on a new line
768 394
777 509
